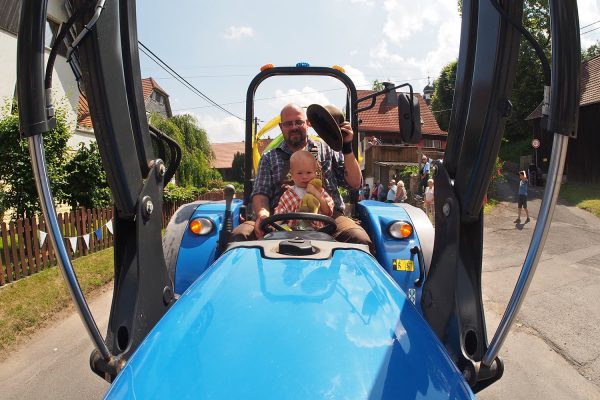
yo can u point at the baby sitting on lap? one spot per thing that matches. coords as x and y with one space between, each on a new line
307 194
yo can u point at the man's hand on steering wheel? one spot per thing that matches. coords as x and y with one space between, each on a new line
258 226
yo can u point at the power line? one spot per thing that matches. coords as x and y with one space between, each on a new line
266 98
593 23
272 98
591 30
182 80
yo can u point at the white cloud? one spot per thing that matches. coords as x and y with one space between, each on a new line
358 77
304 97
417 41
237 32
221 130
369 3
403 19
448 42
381 54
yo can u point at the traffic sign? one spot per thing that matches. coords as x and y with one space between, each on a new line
535 143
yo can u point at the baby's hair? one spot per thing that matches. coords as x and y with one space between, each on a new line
302 155
523 173
429 180
401 183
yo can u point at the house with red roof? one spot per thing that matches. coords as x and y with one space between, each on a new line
384 152
155 100
225 152
581 152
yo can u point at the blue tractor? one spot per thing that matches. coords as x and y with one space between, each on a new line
296 314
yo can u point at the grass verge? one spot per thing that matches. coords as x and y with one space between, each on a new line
31 303
489 206
583 195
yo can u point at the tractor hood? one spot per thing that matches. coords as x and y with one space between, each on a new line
256 327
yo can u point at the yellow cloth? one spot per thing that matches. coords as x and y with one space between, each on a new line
255 154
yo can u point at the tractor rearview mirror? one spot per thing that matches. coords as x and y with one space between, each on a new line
409 118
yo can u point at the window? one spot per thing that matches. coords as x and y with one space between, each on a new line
51 32
159 98
435 144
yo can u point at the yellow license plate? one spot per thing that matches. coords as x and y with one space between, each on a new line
403 265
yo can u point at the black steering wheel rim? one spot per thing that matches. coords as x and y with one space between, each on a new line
329 228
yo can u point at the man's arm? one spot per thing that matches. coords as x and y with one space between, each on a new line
352 172
260 205
260 198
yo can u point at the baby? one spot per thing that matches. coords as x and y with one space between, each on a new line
303 168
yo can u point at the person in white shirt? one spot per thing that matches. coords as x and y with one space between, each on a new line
428 201
391 194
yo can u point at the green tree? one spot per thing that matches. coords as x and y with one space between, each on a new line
377 86
529 87
591 52
197 154
238 167
528 90
443 93
15 164
86 179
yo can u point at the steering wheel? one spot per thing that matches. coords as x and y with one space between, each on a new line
329 228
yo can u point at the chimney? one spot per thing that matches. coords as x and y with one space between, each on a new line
390 98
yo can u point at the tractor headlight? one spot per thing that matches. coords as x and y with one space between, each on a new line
400 229
201 226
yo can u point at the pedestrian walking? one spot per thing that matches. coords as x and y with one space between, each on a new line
522 202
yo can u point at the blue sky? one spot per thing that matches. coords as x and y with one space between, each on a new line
219 47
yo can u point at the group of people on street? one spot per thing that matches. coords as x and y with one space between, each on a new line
394 193
287 174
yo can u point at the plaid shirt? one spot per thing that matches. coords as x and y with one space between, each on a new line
272 178
290 202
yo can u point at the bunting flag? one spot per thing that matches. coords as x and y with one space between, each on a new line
42 237
73 241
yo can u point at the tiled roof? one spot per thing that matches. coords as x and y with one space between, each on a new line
384 118
590 86
224 152
83 111
148 85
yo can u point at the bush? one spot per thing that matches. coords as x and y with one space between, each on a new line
19 190
86 179
497 178
174 194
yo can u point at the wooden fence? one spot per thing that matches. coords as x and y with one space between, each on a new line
22 254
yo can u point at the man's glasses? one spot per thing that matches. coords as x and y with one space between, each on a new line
289 124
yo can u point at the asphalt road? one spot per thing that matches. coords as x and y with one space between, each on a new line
552 352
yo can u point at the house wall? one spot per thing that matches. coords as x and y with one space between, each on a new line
8 66
388 153
582 153
153 106
65 92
